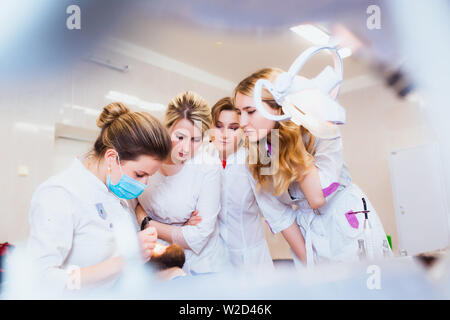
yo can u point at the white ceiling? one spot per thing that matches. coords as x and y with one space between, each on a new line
238 54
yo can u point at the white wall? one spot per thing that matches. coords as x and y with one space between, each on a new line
30 111
378 122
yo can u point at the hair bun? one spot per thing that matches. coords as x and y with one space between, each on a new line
110 113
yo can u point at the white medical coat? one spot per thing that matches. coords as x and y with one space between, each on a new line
329 237
172 199
73 217
240 218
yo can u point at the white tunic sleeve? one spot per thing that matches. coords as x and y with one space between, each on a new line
51 233
208 207
329 161
278 215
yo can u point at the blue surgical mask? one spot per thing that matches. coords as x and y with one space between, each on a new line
127 187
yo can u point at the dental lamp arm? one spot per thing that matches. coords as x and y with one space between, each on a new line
288 83
257 98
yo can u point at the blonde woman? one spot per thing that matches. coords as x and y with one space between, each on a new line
310 196
240 218
73 215
185 184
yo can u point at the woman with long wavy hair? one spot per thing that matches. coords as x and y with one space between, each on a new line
301 182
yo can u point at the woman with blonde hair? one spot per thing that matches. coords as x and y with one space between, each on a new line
304 189
186 184
74 215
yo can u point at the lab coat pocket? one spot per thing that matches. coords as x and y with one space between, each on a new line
344 236
349 225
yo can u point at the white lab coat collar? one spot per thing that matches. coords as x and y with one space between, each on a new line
238 157
86 185
78 165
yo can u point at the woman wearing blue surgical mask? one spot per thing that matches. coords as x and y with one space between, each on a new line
77 215
187 182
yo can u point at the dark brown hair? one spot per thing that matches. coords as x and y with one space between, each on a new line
221 105
131 134
172 257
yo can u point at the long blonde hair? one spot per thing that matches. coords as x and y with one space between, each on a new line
190 106
296 143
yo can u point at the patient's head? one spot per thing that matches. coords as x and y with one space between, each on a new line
166 257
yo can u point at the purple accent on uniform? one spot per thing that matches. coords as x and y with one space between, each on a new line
330 189
269 147
269 226
352 220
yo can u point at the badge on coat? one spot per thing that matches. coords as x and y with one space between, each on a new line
101 211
